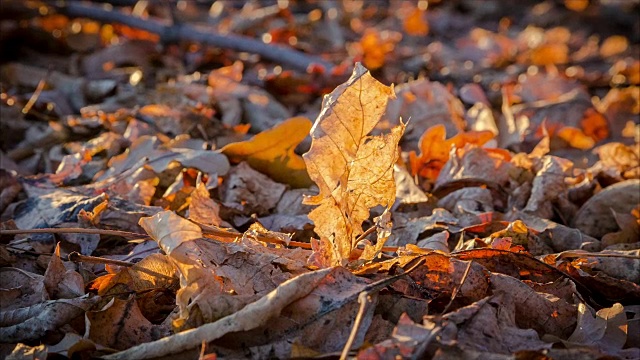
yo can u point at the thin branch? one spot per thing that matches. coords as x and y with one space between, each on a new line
172 33
73 231
365 300
76 257
455 291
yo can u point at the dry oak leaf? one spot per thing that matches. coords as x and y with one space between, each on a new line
353 171
272 152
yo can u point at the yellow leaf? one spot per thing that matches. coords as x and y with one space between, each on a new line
272 152
353 170
576 138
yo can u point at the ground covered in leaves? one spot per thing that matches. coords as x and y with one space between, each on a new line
286 179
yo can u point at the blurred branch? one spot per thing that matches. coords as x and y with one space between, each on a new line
283 55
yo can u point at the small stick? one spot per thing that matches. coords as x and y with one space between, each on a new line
213 233
77 257
34 97
365 300
570 254
73 231
454 293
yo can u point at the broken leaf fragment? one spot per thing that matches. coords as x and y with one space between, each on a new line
353 170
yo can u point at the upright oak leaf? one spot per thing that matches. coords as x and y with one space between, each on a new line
353 170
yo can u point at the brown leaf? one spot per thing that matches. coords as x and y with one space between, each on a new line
203 209
21 289
595 218
408 339
353 170
532 305
120 325
606 330
250 317
250 191
488 325
33 322
60 282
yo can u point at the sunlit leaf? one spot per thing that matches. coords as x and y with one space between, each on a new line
272 152
435 148
353 170
170 230
416 23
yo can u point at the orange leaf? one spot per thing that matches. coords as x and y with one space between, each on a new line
549 54
415 24
594 125
434 149
576 138
576 5
375 46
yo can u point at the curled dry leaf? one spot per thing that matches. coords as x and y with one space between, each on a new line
353 170
595 217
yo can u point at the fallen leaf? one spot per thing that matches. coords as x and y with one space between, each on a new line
250 192
203 209
254 315
416 23
120 325
606 330
595 218
60 282
488 325
272 152
30 323
170 230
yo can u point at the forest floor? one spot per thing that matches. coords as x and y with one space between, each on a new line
325 179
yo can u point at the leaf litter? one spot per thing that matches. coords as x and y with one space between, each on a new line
166 198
